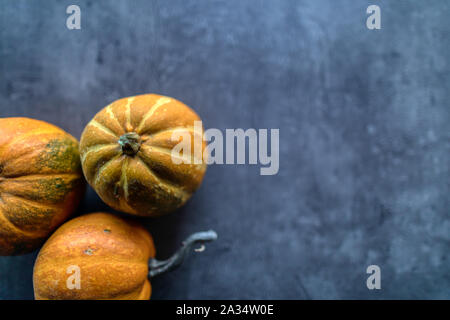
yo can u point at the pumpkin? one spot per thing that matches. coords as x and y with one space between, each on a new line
126 154
114 258
41 182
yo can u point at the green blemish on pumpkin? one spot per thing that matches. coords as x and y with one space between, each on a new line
89 251
53 189
32 218
56 189
61 155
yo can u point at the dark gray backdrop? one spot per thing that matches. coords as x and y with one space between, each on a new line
364 133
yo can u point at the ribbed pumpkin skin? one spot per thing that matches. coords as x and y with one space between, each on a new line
112 254
41 182
147 183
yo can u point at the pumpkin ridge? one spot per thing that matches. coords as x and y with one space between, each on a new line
124 179
111 258
105 165
168 184
180 128
28 234
149 145
17 139
35 132
112 115
102 127
168 151
61 255
47 208
54 201
57 187
160 102
123 182
39 204
95 148
128 126
28 176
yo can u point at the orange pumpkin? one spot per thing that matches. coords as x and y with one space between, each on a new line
126 154
41 182
110 256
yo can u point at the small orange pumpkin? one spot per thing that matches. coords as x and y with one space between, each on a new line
41 182
114 259
126 154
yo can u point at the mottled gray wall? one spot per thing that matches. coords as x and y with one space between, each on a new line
364 129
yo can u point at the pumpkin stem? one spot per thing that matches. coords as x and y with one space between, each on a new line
130 143
157 267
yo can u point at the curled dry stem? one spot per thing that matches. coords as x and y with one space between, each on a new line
157 267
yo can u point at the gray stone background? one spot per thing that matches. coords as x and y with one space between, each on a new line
364 134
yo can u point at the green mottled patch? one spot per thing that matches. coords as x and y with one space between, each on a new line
30 218
55 189
61 155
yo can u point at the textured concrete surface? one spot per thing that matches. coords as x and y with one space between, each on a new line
364 134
